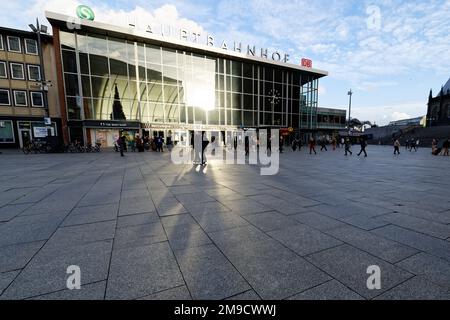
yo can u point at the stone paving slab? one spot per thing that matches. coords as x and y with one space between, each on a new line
8 212
17 256
46 272
349 266
428 227
383 248
331 290
208 274
419 241
428 267
90 291
141 271
318 221
5 280
178 293
272 270
269 221
416 288
247 295
304 240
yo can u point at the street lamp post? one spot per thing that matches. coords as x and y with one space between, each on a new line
350 93
43 84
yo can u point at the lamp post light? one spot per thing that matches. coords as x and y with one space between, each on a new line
43 84
350 93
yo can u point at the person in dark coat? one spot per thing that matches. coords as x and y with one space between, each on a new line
312 145
347 146
363 145
121 142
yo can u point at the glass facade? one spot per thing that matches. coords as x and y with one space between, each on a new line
108 78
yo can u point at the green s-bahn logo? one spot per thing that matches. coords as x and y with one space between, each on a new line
86 13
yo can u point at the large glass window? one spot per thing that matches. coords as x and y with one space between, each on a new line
123 79
6 131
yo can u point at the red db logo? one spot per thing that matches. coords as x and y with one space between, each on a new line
306 63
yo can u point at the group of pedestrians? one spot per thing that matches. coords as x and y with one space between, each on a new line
138 143
345 142
412 144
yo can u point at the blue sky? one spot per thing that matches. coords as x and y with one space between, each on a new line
390 52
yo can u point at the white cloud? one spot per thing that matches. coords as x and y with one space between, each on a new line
399 116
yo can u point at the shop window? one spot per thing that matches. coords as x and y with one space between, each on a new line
6 131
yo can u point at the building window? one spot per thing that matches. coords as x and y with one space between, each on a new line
17 71
34 72
1 43
31 46
37 99
14 44
6 131
4 97
3 72
20 98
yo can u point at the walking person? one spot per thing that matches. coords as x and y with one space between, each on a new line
205 143
347 147
363 145
417 144
407 144
312 145
412 145
333 142
446 147
397 147
323 145
121 144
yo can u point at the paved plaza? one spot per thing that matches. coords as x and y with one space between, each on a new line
140 227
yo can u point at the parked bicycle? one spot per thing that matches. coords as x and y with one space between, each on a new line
36 147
